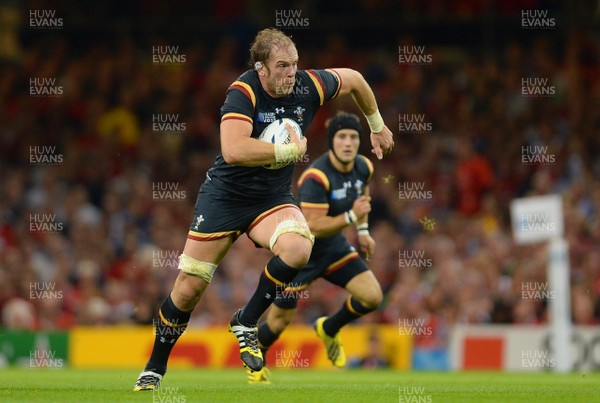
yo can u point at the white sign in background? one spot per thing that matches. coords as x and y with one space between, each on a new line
529 348
537 219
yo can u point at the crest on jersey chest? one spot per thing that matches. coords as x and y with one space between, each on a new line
299 112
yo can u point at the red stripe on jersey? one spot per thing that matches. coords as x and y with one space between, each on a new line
239 87
238 116
318 80
342 262
337 92
317 176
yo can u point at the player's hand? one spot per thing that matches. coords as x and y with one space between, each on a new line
382 142
362 206
300 142
367 245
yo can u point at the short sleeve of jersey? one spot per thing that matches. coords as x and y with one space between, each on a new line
327 82
313 188
239 102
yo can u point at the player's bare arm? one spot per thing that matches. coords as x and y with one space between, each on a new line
239 148
322 225
366 242
364 219
354 83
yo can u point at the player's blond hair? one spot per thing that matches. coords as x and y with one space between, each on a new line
266 40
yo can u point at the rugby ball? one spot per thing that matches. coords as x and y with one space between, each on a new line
276 133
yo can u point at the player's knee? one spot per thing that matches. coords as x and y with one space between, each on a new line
371 298
373 301
188 290
294 250
186 295
292 241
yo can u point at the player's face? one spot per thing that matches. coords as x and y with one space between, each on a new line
280 71
345 144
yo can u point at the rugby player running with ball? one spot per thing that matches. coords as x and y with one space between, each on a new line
240 195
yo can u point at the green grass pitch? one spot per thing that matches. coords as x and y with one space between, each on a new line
301 385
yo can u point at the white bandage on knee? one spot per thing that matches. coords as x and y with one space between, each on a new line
287 226
194 267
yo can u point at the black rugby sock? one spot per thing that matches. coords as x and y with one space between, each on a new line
266 337
171 324
352 309
274 277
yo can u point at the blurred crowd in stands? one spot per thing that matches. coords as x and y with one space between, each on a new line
85 224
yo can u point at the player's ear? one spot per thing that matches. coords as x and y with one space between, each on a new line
258 67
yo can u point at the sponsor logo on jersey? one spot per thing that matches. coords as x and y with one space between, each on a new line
266 117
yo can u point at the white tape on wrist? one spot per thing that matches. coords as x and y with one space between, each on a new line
350 216
363 232
375 122
285 153
347 218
